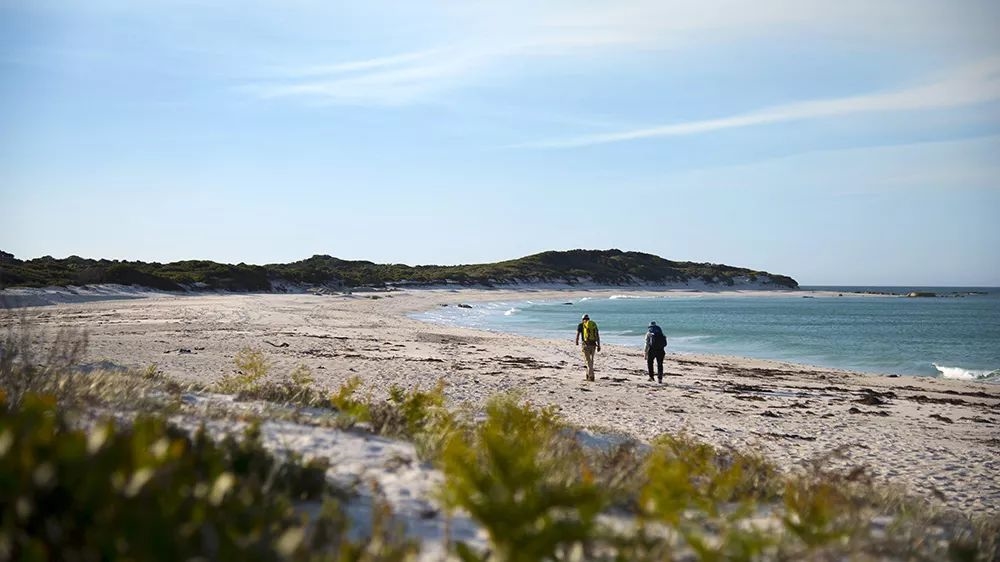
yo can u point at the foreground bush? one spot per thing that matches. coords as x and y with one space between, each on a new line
507 474
148 492
540 496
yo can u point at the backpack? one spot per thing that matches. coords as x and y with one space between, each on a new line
589 331
659 342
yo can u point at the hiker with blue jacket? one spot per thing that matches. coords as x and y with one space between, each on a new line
656 348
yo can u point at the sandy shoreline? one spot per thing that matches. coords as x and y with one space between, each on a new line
939 438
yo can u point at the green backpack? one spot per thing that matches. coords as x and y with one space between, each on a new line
590 331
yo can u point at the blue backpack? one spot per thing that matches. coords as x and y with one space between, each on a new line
659 342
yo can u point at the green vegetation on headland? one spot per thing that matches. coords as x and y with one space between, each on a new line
604 267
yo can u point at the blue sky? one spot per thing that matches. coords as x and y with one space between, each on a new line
836 142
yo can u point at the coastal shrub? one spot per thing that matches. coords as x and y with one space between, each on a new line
125 274
824 512
297 390
285 393
302 376
70 494
28 367
815 513
714 504
980 541
502 473
328 538
601 266
150 492
353 410
619 471
413 414
417 407
701 498
252 367
683 473
428 422
518 477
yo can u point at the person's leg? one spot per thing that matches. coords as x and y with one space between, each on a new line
659 366
588 358
649 364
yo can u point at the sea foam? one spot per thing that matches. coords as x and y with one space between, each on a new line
967 374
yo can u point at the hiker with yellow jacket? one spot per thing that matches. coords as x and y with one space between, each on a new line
587 330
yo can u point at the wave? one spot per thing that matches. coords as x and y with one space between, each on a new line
688 339
967 374
511 312
616 297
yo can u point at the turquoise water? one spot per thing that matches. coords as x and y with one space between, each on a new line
955 336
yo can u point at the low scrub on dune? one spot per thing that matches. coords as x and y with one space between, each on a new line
542 496
150 492
514 475
612 267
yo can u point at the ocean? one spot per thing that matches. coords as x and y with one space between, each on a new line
953 335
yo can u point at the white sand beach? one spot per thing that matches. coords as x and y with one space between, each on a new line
938 438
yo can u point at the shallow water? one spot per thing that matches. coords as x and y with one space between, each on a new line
953 336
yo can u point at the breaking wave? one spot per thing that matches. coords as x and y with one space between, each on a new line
967 374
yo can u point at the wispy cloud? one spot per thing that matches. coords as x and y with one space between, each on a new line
416 77
494 36
970 85
482 41
358 65
394 80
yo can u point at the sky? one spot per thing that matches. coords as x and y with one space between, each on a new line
851 142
